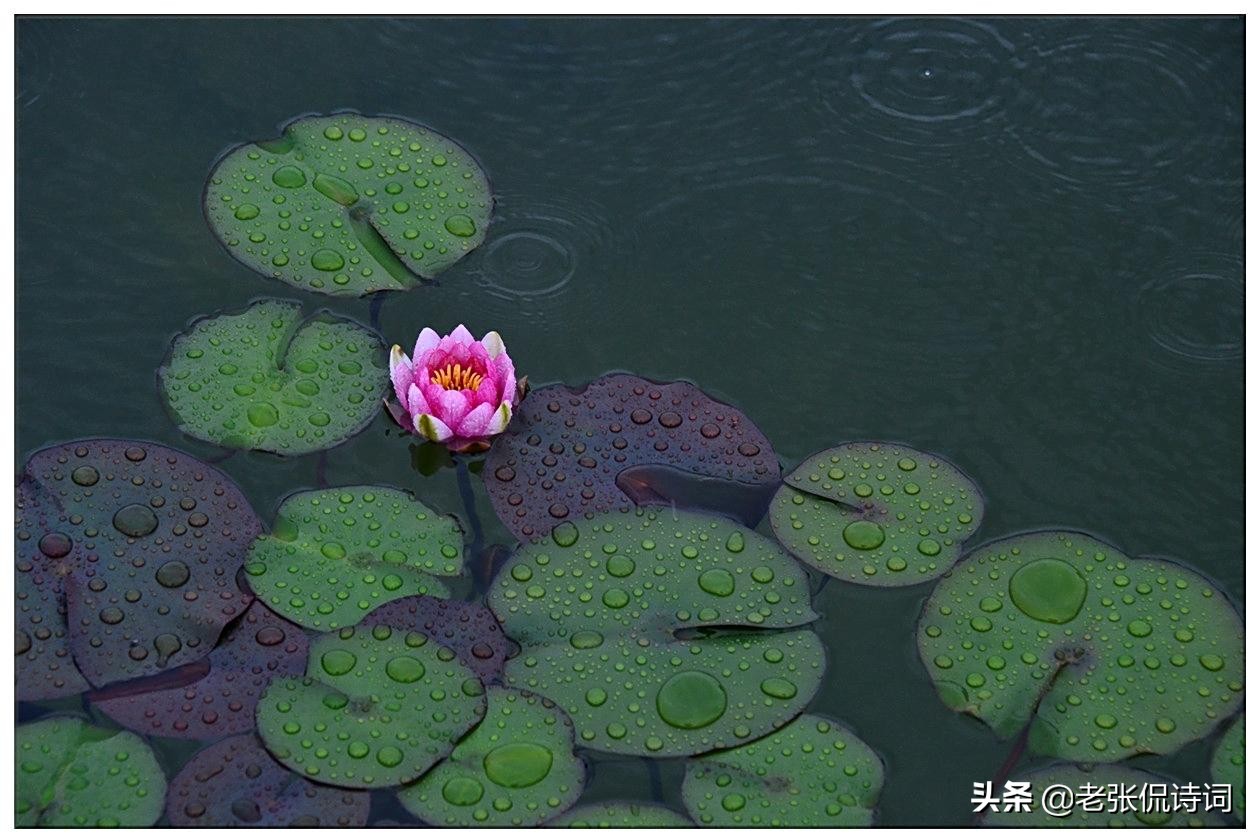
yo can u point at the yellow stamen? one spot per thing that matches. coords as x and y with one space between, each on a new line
455 378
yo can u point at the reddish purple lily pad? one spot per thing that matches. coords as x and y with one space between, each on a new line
219 700
564 452
140 545
470 630
45 669
236 783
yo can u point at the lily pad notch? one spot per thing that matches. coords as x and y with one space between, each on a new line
661 633
265 378
335 555
878 514
1100 655
347 204
623 442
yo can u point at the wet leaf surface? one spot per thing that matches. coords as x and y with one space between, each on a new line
880 514
621 815
141 544
377 708
563 453
335 555
235 783
471 630
74 775
264 378
655 631
517 768
812 772
259 646
1109 656
347 204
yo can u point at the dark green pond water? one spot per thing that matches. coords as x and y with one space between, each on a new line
1018 243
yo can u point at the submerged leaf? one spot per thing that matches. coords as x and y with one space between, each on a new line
812 772
221 700
263 378
377 708
572 453
347 204
470 630
1229 764
335 555
142 545
74 775
517 768
1108 656
655 631
1128 782
880 514
235 783
621 815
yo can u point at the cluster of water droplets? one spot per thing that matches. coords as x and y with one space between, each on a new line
349 204
265 379
335 555
1110 656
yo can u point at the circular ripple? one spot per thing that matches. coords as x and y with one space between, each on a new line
921 82
1111 107
1196 313
540 246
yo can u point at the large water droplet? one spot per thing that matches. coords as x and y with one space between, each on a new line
518 765
404 669
691 700
172 574
717 582
1048 590
136 520
337 662
462 790
863 535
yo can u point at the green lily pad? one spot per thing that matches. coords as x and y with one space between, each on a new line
73 775
516 768
651 629
621 815
346 204
335 555
880 514
377 708
1127 807
1229 764
1108 656
263 378
812 772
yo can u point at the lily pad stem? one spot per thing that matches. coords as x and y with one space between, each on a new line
374 310
470 503
1021 743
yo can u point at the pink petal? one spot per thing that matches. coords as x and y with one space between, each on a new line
474 423
432 393
488 392
427 340
462 335
415 402
452 406
506 374
400 373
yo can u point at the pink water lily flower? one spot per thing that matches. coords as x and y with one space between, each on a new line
454 390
